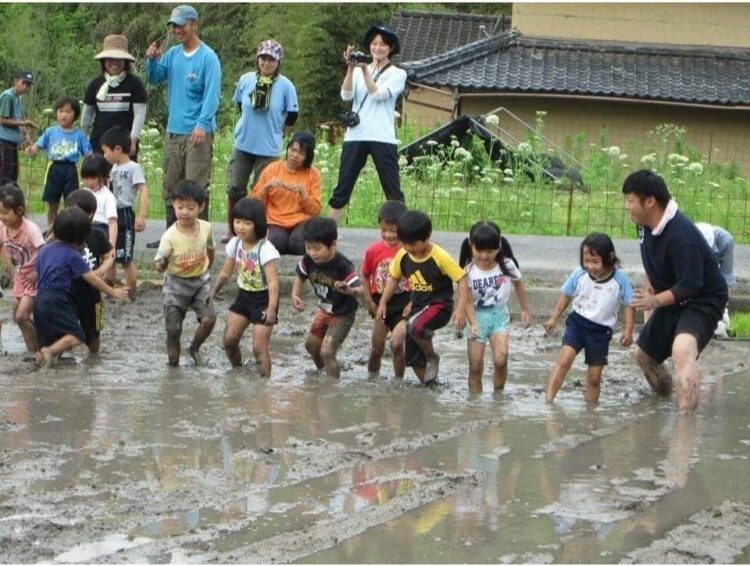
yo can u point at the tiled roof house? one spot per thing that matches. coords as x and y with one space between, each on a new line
623 68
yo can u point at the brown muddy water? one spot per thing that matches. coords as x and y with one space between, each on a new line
121 459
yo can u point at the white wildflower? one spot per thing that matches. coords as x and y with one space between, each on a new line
159 171
507 179
650 158
623 157
455 143
714 185
677 158
540 113
47 111
322 146
508 172
458 175
402 161
458 190
324 170
324 127
613 151
463 153
493 119
431 142
696 168
524 147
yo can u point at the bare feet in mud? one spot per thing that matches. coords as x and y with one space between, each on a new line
431 369
45 358
196 355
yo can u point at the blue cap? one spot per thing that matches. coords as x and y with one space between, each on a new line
182 15
25 76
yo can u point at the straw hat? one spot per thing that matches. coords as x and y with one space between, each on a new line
115 47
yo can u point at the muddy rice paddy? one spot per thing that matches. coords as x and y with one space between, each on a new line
121 459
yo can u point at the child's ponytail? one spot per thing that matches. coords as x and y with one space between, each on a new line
465 255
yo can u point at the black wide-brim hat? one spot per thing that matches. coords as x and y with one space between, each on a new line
387 33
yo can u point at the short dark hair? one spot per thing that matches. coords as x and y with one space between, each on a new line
414 226
600 244
12 198
320 230
391 210
116 136
306 141
72 226
644 184
253 210
189 190
83 199
94 165
71 101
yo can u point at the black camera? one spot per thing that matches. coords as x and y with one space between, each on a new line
359 57
349 119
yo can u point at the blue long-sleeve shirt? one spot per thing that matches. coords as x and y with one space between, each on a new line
193 87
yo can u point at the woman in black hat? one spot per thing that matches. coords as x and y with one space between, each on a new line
290 189
373 88
116 97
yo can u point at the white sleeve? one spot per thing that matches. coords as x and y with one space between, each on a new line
139 117
231 248
110 206
268 252
87 118
515 273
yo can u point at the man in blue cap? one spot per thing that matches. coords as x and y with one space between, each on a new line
193 75
13 128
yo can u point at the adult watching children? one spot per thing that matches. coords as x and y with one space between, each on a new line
116 97
373 88
268 102
290 189
193 75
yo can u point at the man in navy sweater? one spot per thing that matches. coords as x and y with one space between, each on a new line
684 288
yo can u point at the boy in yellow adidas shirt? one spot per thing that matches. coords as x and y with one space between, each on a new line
431 273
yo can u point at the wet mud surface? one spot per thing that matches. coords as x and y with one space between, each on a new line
120 459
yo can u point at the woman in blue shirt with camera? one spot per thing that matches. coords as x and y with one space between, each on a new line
373 88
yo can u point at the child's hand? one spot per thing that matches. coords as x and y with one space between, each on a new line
372 307
459 320
269 316
30 279
122 293
380 312
525 318
474 329
407 310
298 303
626 339
31 151
342 287
550 324
140 224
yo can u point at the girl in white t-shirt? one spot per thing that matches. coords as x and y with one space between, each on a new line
257 303
95 174
491 269
597 289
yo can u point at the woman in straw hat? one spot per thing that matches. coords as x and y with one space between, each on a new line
116 97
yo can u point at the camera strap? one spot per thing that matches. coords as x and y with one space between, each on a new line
375 78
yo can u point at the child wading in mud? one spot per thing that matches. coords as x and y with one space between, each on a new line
186 252
256 261
597 289
58 264
431 273
375 273
336 283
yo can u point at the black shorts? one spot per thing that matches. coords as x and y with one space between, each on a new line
665 323
592 338
55 316
90 316
62 179
125 235
8 161
394 310
423 323
251 305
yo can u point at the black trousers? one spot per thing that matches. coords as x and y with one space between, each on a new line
353 158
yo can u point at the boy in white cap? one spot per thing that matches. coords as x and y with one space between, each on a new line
13 128
193 75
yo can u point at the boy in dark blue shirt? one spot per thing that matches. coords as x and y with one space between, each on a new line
336 283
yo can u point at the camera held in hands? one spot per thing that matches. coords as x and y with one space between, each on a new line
359 57
349 119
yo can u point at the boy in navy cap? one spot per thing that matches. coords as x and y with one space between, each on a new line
13 128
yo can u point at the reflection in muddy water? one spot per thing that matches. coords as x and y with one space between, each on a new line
120 459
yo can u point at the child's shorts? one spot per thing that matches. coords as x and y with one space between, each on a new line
337 327
183 294
394 310
101 226
125 235
490 321
423 324
54 317
251 305
90 316
61 180
21 289
581 333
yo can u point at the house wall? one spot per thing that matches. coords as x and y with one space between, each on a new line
710 24
722 135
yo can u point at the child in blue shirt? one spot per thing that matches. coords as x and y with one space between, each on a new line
64 145
58 264
596 288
